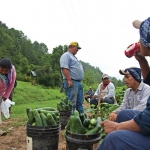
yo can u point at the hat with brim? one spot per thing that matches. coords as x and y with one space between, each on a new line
144 31
133 71
105 76
122 72
137 24
75 44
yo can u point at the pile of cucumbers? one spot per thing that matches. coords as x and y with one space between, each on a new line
80 124
46 116
64 105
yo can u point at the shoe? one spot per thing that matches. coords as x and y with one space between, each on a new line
88 100
2 133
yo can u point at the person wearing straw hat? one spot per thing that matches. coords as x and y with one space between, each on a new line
73 74
135 96
134 133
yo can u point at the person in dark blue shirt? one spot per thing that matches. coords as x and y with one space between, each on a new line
133 130
89 94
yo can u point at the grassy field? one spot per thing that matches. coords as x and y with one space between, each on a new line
32 96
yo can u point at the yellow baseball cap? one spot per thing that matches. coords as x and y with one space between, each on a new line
75 44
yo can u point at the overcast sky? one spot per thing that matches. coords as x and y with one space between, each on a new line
103 28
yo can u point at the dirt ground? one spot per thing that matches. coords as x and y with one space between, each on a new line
16 136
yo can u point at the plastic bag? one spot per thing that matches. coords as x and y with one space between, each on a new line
5 107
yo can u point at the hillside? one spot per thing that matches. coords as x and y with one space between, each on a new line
27 56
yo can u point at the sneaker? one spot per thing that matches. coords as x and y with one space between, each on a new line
2 133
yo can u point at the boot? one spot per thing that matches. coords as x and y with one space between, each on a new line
2 133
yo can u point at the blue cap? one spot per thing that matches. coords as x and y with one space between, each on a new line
144 30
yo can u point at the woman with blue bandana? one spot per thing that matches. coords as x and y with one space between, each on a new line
135 96
133 134
7 80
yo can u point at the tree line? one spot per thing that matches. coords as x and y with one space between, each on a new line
27 56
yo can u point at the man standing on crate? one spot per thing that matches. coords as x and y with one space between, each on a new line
73 74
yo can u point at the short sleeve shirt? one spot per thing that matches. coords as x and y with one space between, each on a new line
69 61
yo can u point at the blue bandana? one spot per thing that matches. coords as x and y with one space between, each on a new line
145 33
135 73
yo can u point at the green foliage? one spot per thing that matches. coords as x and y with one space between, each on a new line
27 56
119 93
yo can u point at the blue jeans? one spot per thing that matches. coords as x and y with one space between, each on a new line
75 95
126 114
105 100
125 140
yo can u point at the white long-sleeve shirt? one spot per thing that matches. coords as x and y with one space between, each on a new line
111 90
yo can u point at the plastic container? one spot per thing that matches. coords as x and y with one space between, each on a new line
130 51
82 141
42 138
64 116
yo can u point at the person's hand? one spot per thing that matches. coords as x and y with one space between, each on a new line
70 83
95 96
139 56
4 98
112 116
109 126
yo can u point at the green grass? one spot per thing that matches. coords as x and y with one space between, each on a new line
34 96
27 95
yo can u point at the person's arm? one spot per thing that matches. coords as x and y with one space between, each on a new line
110 126
64 64
143 64
11 86
97 91
67 75
129 125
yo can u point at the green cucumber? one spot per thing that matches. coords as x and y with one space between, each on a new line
34 124
27 111
48 108
94 130
37 118
51 120
44 119
82 117
76 113
90 126
76 125
46 112
31 118
99 120
86 122
93 121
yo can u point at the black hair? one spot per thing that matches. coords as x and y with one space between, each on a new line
6 63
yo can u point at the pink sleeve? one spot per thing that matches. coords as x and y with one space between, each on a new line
11 86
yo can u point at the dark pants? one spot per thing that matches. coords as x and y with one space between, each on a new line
125 139
94 101
86 98
125 115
